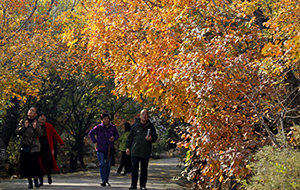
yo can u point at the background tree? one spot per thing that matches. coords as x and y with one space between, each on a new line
29 51
39 70
82 106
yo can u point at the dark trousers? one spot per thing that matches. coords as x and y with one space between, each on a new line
125 163
30 165
135 171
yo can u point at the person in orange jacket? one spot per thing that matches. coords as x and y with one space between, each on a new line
47 148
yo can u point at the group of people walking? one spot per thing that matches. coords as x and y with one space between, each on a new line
135 145
37 148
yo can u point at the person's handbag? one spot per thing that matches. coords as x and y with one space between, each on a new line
25 148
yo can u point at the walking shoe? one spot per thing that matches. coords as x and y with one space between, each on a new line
116 173
49 179
108 184
128 174
41 180
132 187
30 185
143 188
36 183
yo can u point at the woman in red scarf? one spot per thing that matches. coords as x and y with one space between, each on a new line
47 148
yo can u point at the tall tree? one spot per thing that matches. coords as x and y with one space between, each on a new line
222 66
85 98
218 64
29 50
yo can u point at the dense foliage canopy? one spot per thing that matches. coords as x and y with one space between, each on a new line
219 65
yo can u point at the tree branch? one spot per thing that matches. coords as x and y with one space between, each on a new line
29 17
50 7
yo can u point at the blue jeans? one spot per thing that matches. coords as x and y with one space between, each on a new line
104 165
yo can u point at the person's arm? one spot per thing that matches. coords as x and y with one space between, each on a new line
116 135
37 127
153 134
129 141
92 135
55 135
122 137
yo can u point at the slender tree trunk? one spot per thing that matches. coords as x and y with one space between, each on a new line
73 161
293 88
9 127
77 154
293 100
11 122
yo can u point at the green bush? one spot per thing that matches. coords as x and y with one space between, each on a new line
275 169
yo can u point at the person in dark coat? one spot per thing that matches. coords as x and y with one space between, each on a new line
139 146
125 159
47 148
29 129
103 136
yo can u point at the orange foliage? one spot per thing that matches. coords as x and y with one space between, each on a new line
212 63
31 48
205 61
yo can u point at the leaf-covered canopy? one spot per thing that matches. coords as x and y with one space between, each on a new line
219 65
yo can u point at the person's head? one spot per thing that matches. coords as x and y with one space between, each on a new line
127 126
42 118
144 116
32 112
105 118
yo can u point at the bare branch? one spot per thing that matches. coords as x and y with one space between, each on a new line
292 117
29 17
24 23
50 7
271 135
282 128
74 4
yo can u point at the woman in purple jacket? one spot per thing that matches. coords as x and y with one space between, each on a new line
103 136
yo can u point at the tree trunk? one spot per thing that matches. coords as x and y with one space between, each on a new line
77 155
293 88
293 100
9 127
73 162
11 122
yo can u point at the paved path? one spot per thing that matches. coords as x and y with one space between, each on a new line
160 177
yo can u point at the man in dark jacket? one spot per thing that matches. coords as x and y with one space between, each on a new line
139 144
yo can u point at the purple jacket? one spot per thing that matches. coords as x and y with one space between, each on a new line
102 136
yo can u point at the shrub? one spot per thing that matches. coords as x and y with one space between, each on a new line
275 169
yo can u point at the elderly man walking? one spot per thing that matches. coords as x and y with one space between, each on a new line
139 145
